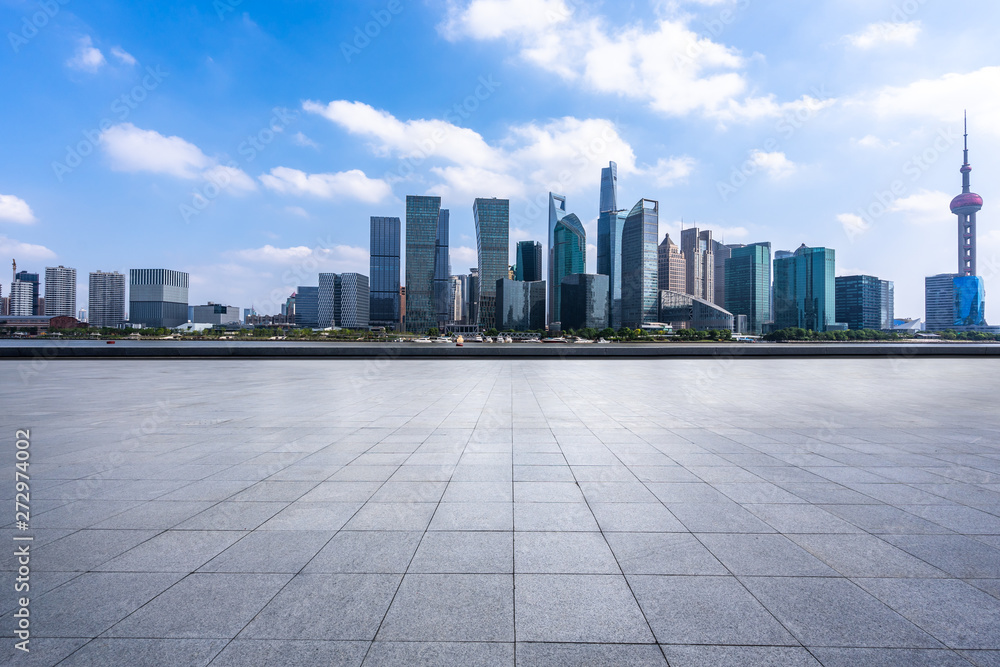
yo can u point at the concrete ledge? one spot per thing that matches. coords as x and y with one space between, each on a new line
305 350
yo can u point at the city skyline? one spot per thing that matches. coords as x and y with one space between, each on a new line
316 156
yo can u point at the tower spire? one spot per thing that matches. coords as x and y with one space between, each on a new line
966 206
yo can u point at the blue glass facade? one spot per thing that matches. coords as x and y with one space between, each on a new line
805 289
442 271
640 270
520 305
970 301
384 264
528 266
423 216
585 303
567 250
610 224
859 302
748 284
32 278
492 218
307 308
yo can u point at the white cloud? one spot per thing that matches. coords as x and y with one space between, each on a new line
671 171
463 256
924 207
353 184
12 248
300 139
133 149
123 56
298 210
14 209
776 164
871 141
671 67
87 57
943 99
730 234
886 32
854 225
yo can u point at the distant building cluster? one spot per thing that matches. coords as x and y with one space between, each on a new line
640 281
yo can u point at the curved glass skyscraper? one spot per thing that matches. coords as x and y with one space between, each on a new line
567 250
610 224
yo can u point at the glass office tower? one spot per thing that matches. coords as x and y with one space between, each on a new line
384 296
351 301
423 216
442 272
640 270
158 297
529 261
805 289
520 305
307 308
748 284
32 280
567 250
610 224
859 302
585 301
492 218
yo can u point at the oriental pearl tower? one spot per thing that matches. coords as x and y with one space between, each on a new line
965 206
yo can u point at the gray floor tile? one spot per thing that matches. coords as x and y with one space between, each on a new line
342 607
636 518
563 553
864 556
723 517
392 516
233 516
173 551
269 551
588 655
883 657
764 555
439 654
87 549
801 519
578 608
312 516
366 552
448 608
442 552
663 553
473 516
958 555
705 610
739 656
554 517
145 652
547 492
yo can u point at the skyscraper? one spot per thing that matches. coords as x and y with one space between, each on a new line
640 271
698 252
158 297
805 289
671 266
442 271
107 299
351 299
859 302
492 218
954 301
567 250
888 304
32 280
720 253
307 307
23 302
456 291
384 263
60 291
423 219
748 284
472 297
585 301
326 299
610 223
529 261
520 305
966 206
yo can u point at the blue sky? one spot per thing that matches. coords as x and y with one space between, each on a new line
248 142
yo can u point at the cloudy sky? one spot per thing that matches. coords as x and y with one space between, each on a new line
248 142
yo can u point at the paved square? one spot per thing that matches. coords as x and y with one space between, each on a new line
690 513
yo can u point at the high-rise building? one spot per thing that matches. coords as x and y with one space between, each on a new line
586 301
457 291
671 266
22 299
859 302
442 271
640 271
805 290
610 223
888 305
966 206
307 307
529 261
351 301
698 252
954 301
33 281
158 297
326 298
520 305
215 313
423 220
60 291
384 263
748 284
720 253
107 299
492 217
567 250
472 297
